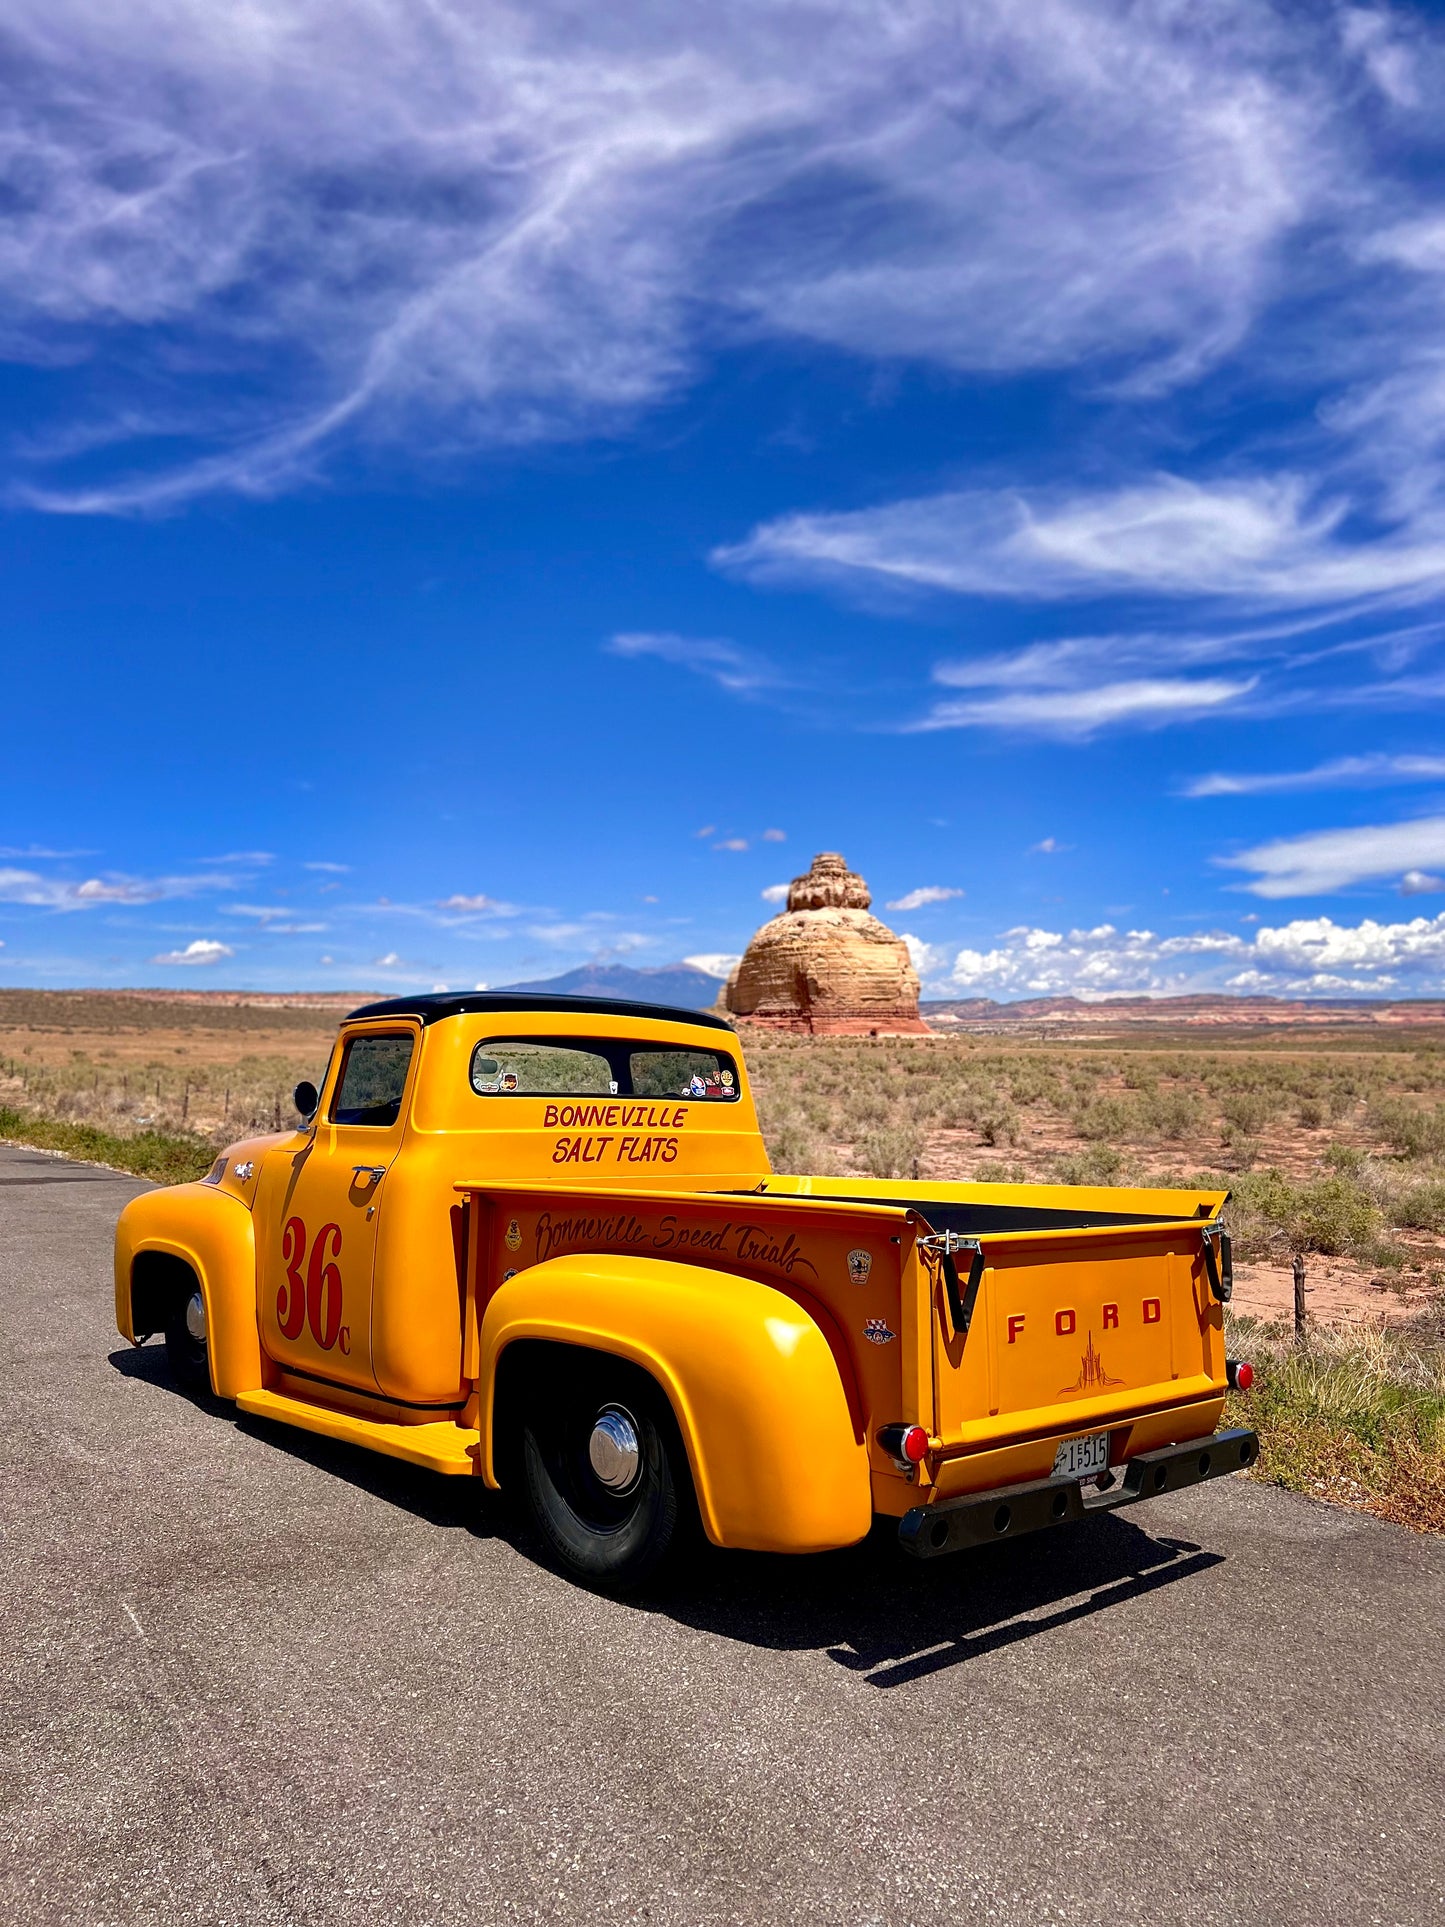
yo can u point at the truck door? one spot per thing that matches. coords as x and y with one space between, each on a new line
320 1208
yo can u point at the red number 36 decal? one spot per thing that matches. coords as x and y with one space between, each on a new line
314 1299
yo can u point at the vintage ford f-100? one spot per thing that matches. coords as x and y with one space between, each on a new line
537 1241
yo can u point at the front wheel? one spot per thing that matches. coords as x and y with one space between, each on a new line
187 1340
603 1472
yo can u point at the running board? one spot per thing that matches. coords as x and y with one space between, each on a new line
439 1447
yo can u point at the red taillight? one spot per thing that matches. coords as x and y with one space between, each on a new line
907 1445
1241 1374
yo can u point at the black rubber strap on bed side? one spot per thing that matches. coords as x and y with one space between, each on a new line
962 1299
1220 1266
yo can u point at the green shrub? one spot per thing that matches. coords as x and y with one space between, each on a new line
1100 1164
890 1152
1331 1215
998 1127
1172 1115
1105 1120
1245 1115
149 1154
1406 1128
1420 1206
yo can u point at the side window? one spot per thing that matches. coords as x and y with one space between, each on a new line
373 1078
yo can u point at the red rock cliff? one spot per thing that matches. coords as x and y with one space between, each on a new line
826 966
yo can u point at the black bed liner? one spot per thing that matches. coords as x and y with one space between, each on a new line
976 1220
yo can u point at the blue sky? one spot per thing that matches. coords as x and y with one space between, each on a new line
489 488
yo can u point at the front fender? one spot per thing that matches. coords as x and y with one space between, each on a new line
777 1462
215 1235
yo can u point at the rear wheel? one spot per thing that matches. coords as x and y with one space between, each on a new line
187 1339
603 1473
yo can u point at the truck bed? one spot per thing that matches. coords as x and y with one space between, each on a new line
1071 1310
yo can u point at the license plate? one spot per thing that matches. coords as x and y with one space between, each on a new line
1082 1458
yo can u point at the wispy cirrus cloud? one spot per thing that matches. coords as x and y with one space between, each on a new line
1377 770
1327 860
58 893
1260 542
1081 712
562 216
921 898
742 672
33 853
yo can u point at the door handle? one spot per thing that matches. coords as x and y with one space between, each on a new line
376 1172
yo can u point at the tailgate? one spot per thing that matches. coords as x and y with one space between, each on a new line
1076 1330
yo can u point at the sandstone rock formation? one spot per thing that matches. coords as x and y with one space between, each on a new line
826 966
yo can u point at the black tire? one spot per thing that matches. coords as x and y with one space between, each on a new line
187 1354
617 1539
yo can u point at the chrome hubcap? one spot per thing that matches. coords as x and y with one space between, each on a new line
614 1450
196 1317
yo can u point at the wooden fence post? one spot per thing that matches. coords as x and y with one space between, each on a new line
1299 1296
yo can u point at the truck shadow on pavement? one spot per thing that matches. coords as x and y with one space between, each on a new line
871 1608
442 1502
893 1620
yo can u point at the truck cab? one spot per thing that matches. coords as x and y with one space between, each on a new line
537 1241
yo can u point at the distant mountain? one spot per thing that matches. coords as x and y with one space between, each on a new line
683 985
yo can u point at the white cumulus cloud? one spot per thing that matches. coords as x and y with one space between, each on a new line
1310 956
717 963
478 905
204 950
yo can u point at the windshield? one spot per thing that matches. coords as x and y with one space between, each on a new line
600 1067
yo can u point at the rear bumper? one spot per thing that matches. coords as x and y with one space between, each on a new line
980 1518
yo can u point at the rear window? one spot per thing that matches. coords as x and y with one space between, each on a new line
519 1069
600 1067
372 1081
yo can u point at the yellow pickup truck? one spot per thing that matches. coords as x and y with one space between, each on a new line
536 1241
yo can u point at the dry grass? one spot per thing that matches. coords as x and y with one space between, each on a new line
128 1066
1357 1415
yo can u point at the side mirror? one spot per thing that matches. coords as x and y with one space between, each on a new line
306 1097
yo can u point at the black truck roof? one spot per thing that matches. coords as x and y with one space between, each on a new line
431 1009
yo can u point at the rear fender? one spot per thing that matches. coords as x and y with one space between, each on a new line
214 1235
777 1462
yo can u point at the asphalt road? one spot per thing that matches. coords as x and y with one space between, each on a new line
252 1677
